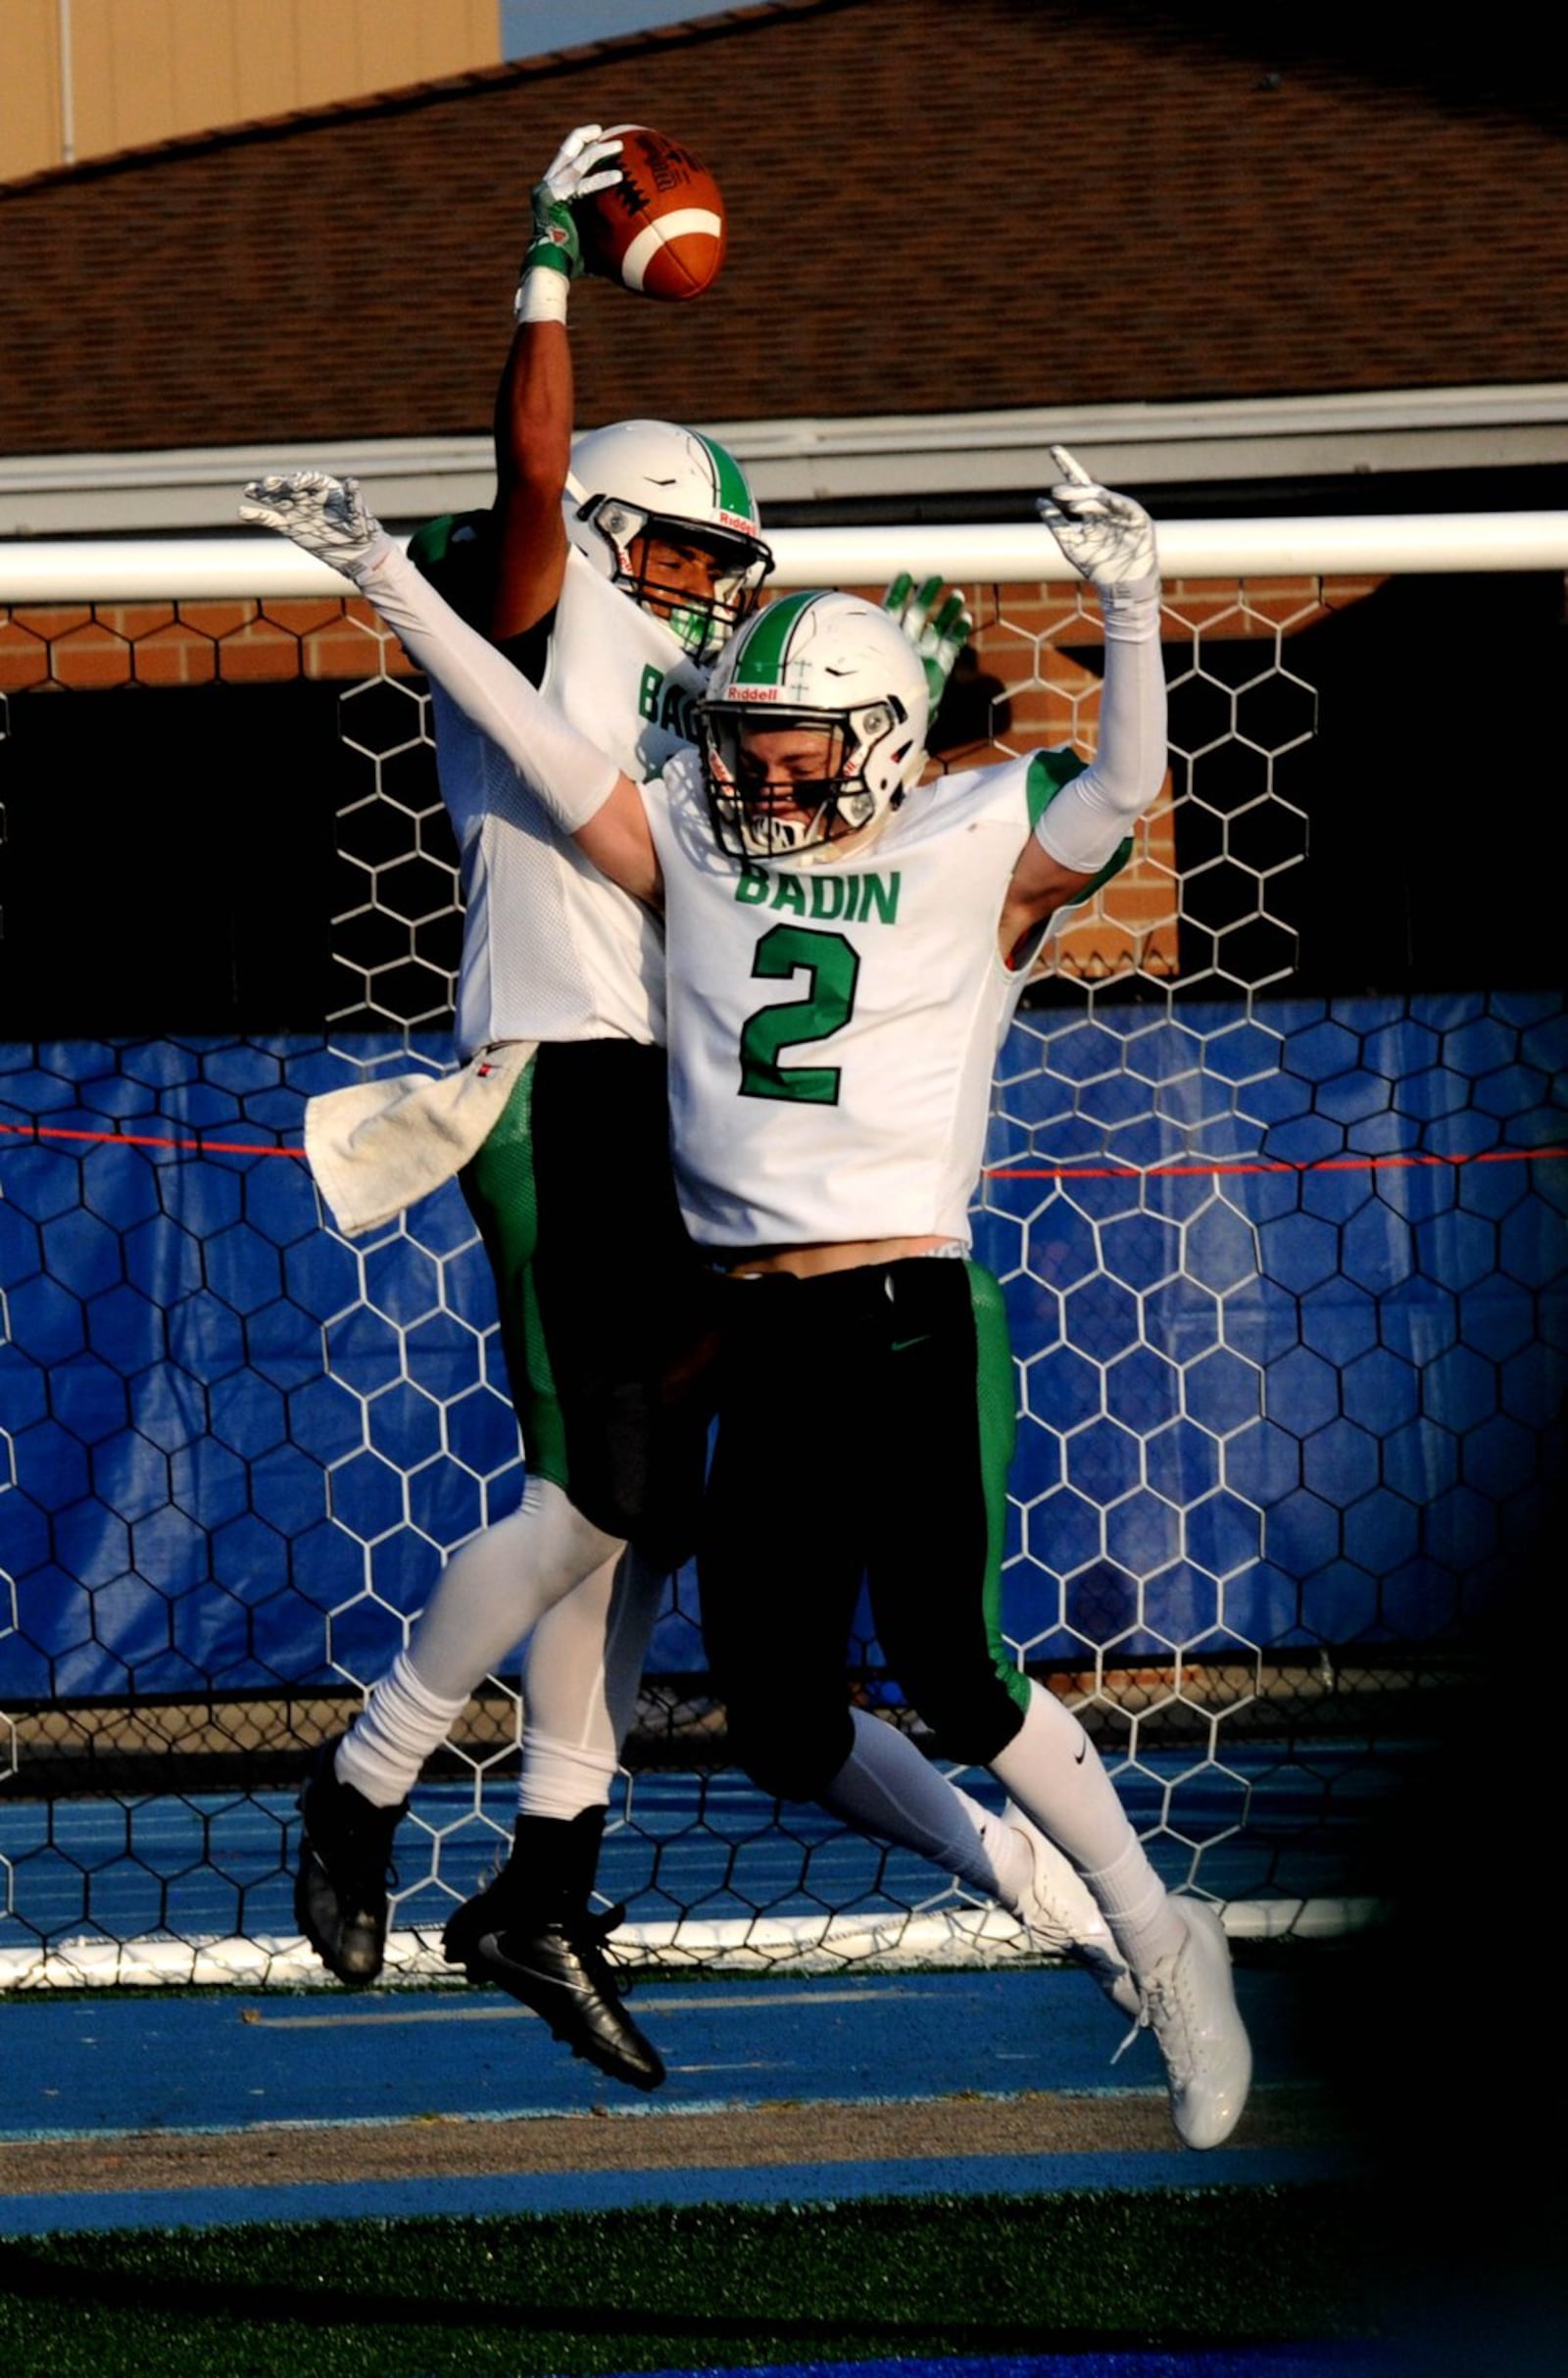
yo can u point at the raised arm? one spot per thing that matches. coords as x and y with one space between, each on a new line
536 398
579 789
1109 539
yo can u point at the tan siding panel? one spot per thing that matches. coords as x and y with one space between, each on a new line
146 70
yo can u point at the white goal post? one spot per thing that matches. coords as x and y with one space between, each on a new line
257 565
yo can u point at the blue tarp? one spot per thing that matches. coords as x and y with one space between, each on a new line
1286 1286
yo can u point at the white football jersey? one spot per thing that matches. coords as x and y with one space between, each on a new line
833 1029
551 950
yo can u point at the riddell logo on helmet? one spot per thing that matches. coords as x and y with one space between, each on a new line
742 525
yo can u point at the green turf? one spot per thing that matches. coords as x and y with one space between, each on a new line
696 2286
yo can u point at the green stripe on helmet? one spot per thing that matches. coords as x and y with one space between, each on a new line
760 652
731 494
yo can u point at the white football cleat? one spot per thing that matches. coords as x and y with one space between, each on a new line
1060 1913
1189 2002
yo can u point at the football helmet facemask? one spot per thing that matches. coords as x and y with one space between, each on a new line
637 485
828 685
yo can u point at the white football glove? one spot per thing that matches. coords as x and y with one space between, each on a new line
327 518
937 636
583 164
1109 539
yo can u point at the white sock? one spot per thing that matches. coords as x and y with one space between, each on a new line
889 1788
1141 1916
1058 1779
569 1751
581 1671
634 1609
562 1778
393 1734
497 1587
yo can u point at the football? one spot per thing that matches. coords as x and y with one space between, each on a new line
661 228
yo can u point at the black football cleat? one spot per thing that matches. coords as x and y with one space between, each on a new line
340 1898
556 1965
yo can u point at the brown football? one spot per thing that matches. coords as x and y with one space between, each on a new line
661 228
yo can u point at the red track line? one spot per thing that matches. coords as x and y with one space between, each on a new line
993 1172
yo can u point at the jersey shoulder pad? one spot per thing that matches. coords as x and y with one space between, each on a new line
1049 771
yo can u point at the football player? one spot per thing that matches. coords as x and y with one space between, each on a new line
609 572
846 942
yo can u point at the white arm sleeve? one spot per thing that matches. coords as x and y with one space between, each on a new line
571 777
1090 815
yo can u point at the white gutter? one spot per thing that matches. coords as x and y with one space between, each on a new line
884 457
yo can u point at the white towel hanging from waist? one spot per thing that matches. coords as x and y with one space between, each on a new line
379 1146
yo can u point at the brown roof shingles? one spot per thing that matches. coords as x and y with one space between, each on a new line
1015 204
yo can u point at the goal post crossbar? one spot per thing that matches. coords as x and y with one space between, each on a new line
249 565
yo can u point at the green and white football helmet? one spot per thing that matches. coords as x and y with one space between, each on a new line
640 481
813 664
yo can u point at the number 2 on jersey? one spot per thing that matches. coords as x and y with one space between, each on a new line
831 967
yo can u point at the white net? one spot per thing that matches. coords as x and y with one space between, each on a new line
1274 1187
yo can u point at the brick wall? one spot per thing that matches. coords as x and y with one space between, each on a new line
1031 678
91 648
